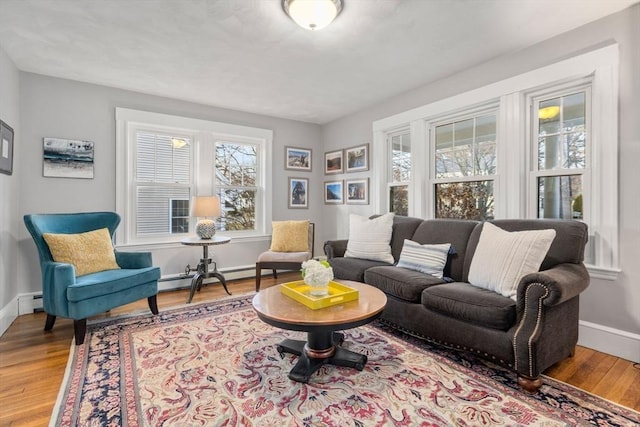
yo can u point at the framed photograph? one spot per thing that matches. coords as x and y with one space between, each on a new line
357 158
67 158
298 159
6 148
358 191
298 193
333 192
333 162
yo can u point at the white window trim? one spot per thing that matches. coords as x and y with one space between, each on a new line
202 131
602 65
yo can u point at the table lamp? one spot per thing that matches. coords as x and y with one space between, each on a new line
203 207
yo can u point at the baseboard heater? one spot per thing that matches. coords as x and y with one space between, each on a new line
37 306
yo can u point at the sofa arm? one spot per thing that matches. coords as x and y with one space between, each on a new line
335 248
134 259
547 327
560 283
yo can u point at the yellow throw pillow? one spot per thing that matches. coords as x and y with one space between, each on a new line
290 236
88 252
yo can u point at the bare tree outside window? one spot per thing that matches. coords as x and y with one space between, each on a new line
236 174
400 157
465 149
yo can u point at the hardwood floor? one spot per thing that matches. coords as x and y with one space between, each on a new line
32 362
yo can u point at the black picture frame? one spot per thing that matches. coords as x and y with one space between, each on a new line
6 148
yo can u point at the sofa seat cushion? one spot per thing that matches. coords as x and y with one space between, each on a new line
400 282
352 268
110 282
471 304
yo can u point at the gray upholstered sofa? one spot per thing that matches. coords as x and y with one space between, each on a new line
527 335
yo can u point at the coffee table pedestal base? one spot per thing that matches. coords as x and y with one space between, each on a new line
320 348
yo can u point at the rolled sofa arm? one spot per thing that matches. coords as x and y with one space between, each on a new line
547 327
560 283
134 259
335 248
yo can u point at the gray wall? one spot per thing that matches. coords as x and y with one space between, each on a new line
615 304
52 107
39 106
9 224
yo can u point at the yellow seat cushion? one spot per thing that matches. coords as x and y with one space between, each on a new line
290 236
88 252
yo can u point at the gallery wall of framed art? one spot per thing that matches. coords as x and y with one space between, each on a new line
348 160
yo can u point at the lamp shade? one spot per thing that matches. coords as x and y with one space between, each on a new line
312 14
204 206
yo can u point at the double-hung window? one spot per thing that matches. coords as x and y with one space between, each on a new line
237 182
399 172
163 161
561 142
162 182
464 167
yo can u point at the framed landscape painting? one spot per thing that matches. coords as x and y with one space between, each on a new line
298 159
358 191
333 162
298 193
357 158
67 158
333 192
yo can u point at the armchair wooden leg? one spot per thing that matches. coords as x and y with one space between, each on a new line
153 303
530 385
275 273
80 329
48 324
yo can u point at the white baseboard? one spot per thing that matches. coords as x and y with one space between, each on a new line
625 345
8 314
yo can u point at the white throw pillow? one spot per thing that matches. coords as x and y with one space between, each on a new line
428 259
502 258
369 238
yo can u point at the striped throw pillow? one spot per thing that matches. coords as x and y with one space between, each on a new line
428 259
369 238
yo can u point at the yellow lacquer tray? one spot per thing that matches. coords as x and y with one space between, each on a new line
338 294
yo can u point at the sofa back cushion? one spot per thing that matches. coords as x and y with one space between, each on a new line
453 231
567 247
403 228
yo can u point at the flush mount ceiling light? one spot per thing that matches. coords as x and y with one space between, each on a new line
312 14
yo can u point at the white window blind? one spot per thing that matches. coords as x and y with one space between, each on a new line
162 173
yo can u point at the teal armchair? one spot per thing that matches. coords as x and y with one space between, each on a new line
79 297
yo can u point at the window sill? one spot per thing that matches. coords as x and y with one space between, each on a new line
150 246
605 273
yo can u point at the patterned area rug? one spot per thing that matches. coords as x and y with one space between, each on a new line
216 365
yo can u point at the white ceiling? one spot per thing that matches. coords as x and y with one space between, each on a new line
248 55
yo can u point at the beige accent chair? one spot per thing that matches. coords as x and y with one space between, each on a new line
284 260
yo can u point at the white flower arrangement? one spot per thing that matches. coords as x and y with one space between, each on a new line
316 272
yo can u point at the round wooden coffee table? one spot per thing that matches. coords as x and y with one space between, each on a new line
323 342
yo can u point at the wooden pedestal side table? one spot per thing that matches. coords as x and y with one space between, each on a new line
323 342
202 271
